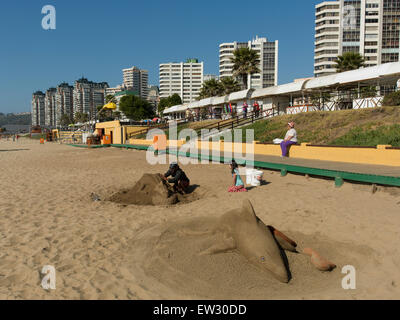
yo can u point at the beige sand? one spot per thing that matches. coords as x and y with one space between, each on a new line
102 250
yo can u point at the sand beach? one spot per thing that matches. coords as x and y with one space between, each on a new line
54 210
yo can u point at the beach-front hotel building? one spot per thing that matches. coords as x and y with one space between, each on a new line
50 107
88 96
38 109
64 102
183 78
136 80
268 53
369 27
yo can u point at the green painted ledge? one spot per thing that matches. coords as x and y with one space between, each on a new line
338 176
85 146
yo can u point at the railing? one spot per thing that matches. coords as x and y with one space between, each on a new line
232 123
146 130
240 120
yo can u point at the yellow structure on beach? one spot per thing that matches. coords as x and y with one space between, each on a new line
116 131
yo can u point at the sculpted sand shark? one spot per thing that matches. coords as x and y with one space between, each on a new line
262 245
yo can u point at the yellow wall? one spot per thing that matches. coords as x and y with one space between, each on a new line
379 156
115 128
109 124
133 129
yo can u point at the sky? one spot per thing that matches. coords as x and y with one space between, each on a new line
97 39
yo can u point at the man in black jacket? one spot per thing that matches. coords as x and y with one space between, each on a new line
179 179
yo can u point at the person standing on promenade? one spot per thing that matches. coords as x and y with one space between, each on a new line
290 139
256 108
245 108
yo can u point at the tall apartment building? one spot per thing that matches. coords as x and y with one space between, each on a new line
38 109
184 78
50 107
208 77
115 90
369 27
268 53
136 80
88 96
64 102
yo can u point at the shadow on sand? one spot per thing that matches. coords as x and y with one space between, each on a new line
14 150
263 183
192 188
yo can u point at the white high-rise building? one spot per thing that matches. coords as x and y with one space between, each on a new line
88 96
268 53
115 90
38 109
50 107
184 79
208 77
136 80
64 102
369 27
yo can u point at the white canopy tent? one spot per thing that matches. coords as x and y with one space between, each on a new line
385 74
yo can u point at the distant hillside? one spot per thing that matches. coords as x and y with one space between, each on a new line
367 127
10 118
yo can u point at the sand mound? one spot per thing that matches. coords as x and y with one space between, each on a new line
151 190
168 258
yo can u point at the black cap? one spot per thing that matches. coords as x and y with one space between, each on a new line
173 165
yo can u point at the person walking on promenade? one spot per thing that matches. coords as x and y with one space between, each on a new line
245 108
290 139
256 108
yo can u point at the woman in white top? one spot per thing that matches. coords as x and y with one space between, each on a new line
290 139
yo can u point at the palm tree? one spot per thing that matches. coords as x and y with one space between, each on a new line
245 63
111 98
349 61
211 88
229 85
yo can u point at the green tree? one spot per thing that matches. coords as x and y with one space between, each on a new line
175 100
229 85
102 114
349 61
117 115
368 92
110 98
81 117
245 63
164 103
392 99
211 88
171 101
65 120
136 108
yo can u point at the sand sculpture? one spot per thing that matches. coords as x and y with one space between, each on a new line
238 230
151 190
262 245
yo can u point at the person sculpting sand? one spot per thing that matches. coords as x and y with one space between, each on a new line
238 185
179 179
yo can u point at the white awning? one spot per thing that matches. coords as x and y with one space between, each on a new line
178 108
194 105
240 95
277 90
206 102
220 100
360 75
